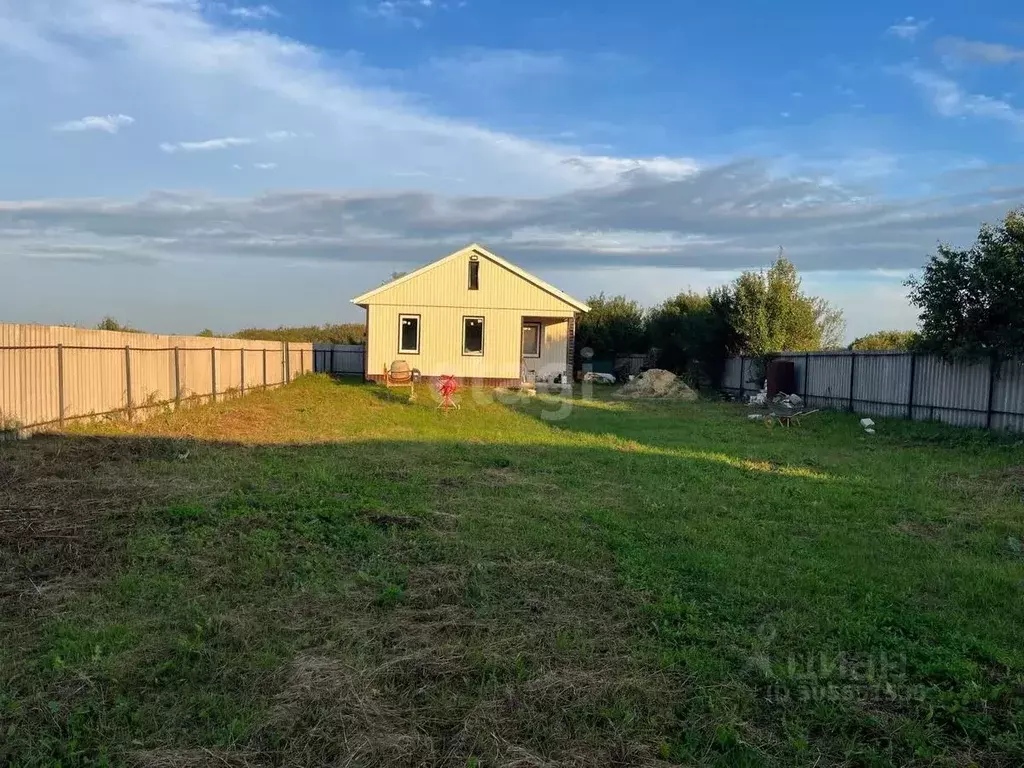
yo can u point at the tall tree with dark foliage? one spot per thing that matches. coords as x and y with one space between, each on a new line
972 299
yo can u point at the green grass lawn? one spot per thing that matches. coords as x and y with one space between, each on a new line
328 575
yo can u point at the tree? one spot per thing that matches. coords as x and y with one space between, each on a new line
206 333
831 323
971 300
108 323
772 314
694 333
342 333
881 341
613 326
394 276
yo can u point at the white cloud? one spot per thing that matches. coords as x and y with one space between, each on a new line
410 12
974 50
253 12
909 28
106 123
485 67
603 169
726 217
265 166
183 69
949 99
205 146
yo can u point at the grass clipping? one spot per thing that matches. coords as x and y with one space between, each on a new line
656 384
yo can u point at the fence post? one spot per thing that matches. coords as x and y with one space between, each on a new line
60 385
910 394
177 379
741 379
213 373
302 361
264 367
331 371
287 364
807 370
853 369
992 369
128 379
241 386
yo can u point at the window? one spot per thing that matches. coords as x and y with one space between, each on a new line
474 274
531 339
409 334
472 335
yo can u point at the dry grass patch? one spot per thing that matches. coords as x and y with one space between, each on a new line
56 497
329 713
544 679
195 758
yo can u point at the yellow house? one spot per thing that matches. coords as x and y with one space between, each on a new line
475 316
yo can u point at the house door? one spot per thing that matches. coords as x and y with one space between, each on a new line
531 341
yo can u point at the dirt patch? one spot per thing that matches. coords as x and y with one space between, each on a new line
56 496
656 384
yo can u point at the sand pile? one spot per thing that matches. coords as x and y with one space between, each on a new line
657 383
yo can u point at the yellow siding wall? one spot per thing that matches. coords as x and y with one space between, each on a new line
441 297
554 336
441 342
552 352
447 285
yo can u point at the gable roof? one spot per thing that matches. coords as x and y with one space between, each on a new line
481 251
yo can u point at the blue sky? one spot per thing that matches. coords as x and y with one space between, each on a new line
190 163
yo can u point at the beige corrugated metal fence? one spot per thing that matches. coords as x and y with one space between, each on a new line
902 385
52 374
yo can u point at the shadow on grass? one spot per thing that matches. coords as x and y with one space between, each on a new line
396 396
174 601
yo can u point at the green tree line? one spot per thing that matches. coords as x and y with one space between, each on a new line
329 333
759 314
337 333
970 302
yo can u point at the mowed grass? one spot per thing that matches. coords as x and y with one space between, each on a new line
329 575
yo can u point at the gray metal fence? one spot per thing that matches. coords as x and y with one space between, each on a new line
902 385
339 359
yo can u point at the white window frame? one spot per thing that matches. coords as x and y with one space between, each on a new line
540 338
419 330
483 330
